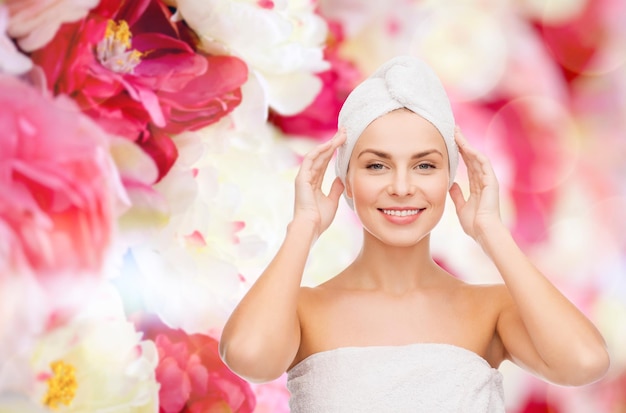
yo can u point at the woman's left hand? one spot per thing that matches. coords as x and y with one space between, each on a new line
482 209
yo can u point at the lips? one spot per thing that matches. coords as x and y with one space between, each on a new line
401 212
401 216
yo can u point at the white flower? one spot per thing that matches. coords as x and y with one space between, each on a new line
187 286
29 307
257 172
356 16
21 404
473 38
230 196
95 363
262 168
282 43
11 60
34 23
183 271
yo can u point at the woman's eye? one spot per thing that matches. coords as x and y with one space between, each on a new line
425 166
375 166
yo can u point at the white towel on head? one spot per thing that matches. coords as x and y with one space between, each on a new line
421 377
402 82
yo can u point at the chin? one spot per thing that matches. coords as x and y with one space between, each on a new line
400 240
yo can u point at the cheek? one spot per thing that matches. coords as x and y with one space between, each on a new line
434 188
353 184
438 192
362 187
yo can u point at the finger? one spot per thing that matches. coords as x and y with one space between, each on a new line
464 148
315 163
340 137
478 165
457 197
322 157
461 141
329 147
468 152
480 168
334 142
336 190
474 173
311 159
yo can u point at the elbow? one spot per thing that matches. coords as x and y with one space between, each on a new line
597 366
247 362
221 348
588 368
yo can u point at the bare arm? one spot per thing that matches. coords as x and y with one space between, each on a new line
541 329
262 336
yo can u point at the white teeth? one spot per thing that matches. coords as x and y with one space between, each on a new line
403 213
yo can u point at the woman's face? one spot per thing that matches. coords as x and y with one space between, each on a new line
398 177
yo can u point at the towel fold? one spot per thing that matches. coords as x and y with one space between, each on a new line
402 82
422 377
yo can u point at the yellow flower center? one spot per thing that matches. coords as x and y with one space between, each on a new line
61 386
120 32
114 51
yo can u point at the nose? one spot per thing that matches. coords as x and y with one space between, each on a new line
401 184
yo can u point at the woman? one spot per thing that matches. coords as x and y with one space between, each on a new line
394 331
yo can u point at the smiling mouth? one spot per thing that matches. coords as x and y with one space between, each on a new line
401 213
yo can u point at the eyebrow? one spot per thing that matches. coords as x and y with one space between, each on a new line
385 155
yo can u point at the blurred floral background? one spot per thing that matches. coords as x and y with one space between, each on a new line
147 156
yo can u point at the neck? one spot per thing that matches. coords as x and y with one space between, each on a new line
394 269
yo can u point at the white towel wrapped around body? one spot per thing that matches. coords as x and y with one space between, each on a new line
402 82
421 377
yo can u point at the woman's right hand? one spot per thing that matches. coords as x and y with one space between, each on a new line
311 203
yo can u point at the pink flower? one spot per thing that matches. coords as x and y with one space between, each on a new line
140 76
34 22
319 119
193 377
57 182
273 396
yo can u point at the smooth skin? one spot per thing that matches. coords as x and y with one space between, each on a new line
394 293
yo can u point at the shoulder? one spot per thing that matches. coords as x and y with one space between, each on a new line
316 299
495 296
483 301
492 298
318 292
330 288
311 299
499 297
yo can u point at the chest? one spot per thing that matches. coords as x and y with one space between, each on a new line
369 319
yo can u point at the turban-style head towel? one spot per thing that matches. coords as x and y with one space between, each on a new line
402 82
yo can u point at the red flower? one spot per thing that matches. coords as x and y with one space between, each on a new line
140 76
193 377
